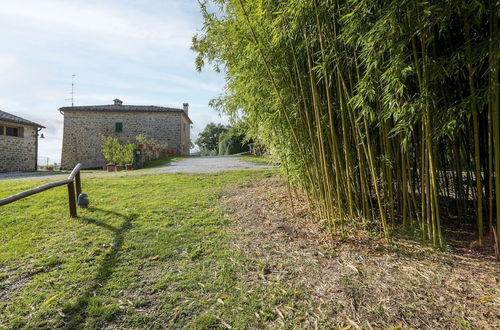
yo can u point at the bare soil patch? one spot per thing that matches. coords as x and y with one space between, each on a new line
359 282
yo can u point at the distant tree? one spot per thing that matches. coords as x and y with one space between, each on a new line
234 141
208 139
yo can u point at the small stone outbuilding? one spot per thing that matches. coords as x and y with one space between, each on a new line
85 125
18 143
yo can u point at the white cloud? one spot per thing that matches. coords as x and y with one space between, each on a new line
135 50
6 64
101 23
66 15
15 73
196 84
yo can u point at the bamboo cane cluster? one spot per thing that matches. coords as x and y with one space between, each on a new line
384 112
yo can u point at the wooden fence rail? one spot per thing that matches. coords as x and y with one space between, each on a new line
72 181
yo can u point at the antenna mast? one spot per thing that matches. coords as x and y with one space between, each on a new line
72 90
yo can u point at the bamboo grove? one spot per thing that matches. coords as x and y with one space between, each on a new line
386 113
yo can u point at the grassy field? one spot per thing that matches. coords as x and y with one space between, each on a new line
152 251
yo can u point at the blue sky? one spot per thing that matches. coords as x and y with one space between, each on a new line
135 50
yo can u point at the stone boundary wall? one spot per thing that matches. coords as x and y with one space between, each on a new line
142 156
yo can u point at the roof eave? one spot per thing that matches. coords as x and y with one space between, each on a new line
93 108
25 124
187 117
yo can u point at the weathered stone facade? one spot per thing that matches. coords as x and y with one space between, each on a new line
18 143
84 126
18 153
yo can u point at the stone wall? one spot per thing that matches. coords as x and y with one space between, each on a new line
143 156
83 131
185 139
18 153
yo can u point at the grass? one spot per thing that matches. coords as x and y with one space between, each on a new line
258 159
152 251
159 251
162 161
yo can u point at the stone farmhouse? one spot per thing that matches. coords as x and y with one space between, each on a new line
84 126
18 143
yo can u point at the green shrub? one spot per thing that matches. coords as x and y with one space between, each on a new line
116 153
111 149
128 151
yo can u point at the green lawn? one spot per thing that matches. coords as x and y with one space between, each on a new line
258 159
151 252
163 161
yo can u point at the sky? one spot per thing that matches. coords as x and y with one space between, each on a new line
134 50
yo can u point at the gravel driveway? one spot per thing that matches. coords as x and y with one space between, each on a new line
208 164
203 164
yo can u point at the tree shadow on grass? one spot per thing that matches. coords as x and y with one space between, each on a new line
77 313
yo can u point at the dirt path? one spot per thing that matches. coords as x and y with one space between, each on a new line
209 164
358 282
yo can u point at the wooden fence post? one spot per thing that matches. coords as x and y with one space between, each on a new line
72 200
78 184
73 179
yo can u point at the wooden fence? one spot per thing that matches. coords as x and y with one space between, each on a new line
73 182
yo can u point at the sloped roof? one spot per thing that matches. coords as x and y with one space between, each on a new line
8 117
125 108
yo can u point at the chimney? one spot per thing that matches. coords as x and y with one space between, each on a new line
186 107
118 101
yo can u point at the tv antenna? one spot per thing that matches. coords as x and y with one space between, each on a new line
72 90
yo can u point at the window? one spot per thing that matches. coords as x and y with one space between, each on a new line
118 127
12 131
